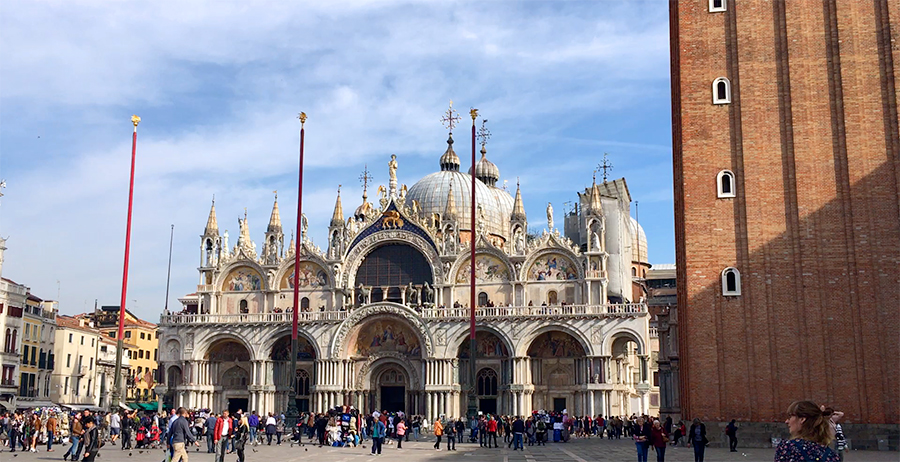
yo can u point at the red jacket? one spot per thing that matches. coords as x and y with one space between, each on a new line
492 426
220 423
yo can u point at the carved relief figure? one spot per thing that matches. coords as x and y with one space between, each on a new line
391 220
549 216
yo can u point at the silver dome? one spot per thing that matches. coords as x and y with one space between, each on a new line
431 194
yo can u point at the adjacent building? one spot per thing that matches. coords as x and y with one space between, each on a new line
787 192
36 366
142 341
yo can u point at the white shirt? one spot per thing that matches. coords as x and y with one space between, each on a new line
270 421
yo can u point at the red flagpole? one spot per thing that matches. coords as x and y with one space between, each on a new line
135 120
474 114
292 413
120 343
296 309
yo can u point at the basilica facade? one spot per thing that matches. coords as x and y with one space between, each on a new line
384 315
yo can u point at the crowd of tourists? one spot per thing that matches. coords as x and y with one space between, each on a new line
813 429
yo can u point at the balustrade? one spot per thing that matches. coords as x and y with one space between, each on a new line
605 310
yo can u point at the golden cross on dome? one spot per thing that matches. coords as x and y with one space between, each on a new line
450 118
605 166
483 133
365 178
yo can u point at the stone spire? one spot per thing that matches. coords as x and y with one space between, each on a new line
450 210
292 248
337 219
518 212
212 225
275 219
596 205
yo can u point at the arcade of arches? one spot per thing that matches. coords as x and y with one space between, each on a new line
383 364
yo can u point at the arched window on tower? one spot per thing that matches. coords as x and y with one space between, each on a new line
482 299
731 282
304 304
633 272
725 184
721 88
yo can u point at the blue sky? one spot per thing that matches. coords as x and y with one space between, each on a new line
219 84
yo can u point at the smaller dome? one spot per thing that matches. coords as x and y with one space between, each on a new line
485 170
450 161
638 242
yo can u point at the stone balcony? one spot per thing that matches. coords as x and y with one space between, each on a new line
611 310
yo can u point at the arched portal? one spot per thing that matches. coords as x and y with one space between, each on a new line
302 378
230 367
492 359
390 384
558 371
390 269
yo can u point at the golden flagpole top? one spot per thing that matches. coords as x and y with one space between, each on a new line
302 117
135 120
474 113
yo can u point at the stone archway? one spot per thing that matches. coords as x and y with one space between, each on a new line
284 379
558 361
228 369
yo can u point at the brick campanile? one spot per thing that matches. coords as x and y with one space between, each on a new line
787 176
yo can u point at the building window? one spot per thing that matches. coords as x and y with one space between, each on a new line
82 339
717 6
69 360
127 334
66 389
141 355
70 338
725 184
721 89
92 343
482 299
155 354
731 282
91 364
142 336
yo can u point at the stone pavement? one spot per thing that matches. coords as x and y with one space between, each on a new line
583 450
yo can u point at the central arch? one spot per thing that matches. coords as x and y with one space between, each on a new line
365 246
339 343
391 267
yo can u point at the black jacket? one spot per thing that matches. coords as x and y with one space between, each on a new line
91 440
691 434
518 426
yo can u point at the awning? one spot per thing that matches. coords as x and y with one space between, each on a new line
34 404
134 406
148 406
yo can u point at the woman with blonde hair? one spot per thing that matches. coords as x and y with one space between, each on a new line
810 435
241 435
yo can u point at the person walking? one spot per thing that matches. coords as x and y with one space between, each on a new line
416 426
731 433
541 431
115 427
492 431
810 435
641 439
279 429
180 435
659 438
697 437
222 433
252 424
210 430
518 429
91 439
401 432
378 431
74 438
450 433
51 431
270 428
438 432
241 435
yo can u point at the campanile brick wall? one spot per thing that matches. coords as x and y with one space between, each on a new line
812 137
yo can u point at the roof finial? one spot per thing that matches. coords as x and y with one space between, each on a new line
450 118
605 166
484 135
364 178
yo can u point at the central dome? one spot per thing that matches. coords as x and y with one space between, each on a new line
431 194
